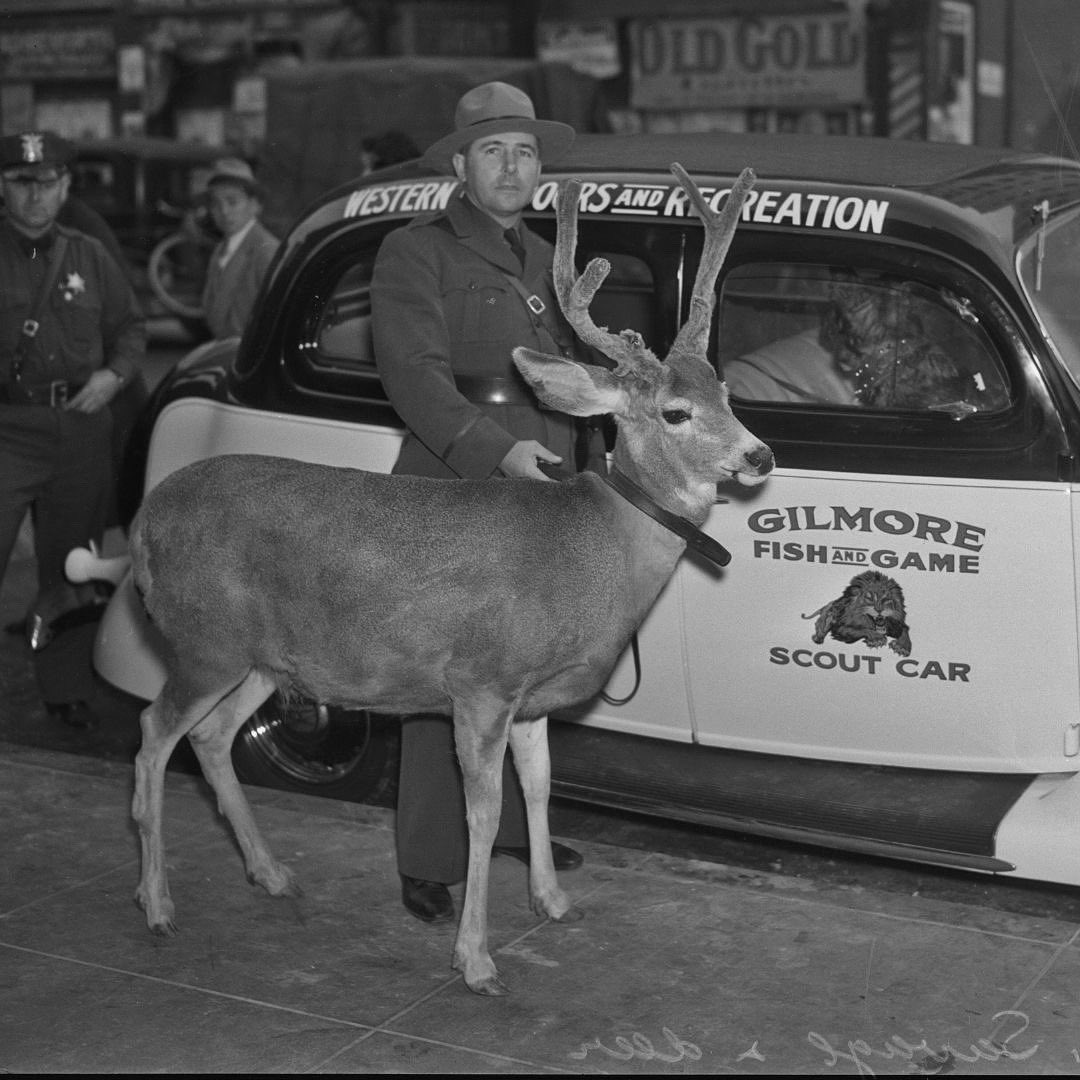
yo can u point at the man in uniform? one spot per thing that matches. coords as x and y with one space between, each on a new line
71 336
453 293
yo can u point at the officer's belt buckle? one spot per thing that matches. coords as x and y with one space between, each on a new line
536 305
30 327
58 392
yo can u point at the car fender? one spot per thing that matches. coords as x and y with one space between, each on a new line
127 651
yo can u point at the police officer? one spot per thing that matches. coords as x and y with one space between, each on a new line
452 293
71 336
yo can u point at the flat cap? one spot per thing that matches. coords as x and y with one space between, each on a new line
233 170
35 148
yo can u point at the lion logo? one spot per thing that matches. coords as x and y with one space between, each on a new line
870 609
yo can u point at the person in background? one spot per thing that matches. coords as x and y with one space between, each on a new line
240 261
72 336
390 148
452 293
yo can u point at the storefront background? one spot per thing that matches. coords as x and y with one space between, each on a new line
989 71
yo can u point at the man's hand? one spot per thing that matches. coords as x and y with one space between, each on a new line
99 390
520 460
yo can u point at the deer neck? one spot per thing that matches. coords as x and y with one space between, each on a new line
680 526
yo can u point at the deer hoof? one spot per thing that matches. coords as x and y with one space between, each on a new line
571 915
276 879
556 906
159 916
481 976
491 986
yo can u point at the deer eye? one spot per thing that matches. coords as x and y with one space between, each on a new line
675 416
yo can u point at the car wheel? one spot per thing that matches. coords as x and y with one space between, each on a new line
297 745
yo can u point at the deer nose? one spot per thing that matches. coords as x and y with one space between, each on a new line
761 460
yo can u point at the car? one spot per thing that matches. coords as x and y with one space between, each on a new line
145 187
890 663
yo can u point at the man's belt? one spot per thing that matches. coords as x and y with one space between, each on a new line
493 390
54 394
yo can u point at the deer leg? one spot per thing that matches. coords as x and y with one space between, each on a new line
212 737
481 747
528 741
164 722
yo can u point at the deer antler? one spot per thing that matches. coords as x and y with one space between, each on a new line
693 337
627 347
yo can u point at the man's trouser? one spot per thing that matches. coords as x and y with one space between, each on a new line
58 465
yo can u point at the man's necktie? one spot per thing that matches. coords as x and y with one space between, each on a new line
516 246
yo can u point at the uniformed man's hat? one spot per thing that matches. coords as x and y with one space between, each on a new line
491 109
32 152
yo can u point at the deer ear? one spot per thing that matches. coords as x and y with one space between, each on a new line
569 386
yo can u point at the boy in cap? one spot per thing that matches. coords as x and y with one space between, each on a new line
453 293
239 263
71 336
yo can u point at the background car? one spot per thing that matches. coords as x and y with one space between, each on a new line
890 664
145 188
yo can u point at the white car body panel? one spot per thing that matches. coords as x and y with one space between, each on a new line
980 659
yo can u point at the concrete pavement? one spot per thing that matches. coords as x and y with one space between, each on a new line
677 967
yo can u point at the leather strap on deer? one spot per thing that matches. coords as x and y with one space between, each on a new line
703 544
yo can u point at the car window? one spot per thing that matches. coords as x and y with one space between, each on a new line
813 335
1050 271
343 332
342 336
96 183
626 301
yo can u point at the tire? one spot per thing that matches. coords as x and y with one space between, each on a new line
317 750
177 272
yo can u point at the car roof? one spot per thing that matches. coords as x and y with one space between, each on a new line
988 198
837 159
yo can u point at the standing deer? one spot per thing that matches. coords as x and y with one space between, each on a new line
496 601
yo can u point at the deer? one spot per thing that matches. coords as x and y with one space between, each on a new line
494 601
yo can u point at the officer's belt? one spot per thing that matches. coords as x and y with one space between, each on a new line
54 394
493 390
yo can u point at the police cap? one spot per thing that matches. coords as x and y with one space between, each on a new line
32 152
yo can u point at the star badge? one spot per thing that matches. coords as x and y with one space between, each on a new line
74 285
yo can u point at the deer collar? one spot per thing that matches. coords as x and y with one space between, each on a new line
701 543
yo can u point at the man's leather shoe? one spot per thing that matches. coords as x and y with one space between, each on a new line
429 901
565 858
76 714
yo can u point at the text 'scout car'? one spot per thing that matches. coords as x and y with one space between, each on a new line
890 662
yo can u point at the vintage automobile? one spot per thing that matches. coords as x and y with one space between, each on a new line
145 188
890 663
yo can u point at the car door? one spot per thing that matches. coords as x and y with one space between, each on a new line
902 590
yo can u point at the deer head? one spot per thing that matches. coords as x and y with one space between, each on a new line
677 434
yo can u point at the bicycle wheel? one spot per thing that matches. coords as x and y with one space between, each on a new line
177 272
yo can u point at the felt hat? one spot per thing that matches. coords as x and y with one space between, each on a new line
33 152
491 109
233 170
